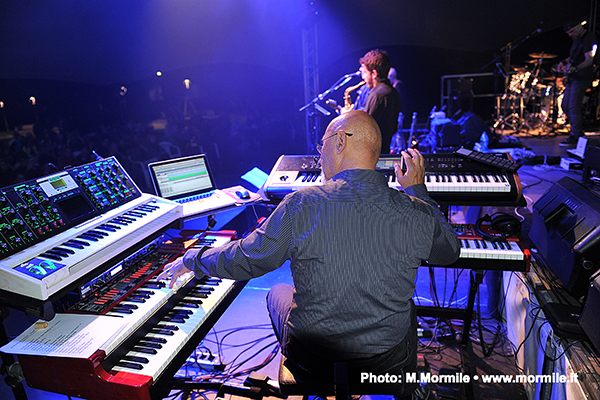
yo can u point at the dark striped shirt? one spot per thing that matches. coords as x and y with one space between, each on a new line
354 245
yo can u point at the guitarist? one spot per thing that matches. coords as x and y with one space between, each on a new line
578 70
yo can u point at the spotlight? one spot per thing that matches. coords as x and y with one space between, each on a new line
123 91
186 83
32 100
1 104
158 73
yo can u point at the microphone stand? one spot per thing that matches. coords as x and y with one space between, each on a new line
338 84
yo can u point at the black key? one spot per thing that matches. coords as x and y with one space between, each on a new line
166 332
150 345
58 253
120 310
145 350
81 242
131 365
69 251
88 237
189 305
73 245
168 327
142 360
51 256
107 228
174 319
155 339
98 234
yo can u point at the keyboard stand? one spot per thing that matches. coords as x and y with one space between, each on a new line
10 367
466 314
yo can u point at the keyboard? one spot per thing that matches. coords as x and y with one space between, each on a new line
449 179
477 253
217 200
162 327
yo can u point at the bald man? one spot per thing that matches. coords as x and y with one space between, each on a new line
354 247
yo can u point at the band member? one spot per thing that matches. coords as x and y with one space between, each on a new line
354 246
383 101
578 70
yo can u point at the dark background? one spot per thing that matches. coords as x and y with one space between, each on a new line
245 65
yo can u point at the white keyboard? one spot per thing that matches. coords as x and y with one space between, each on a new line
484 249
47 267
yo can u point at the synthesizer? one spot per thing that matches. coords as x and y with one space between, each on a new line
162 325
56 230
477 253
449 179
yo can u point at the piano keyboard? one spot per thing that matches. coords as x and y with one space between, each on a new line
448 179
45 268
166 338
480 254
161 327
462 183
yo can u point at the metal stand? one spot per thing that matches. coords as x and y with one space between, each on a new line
10 367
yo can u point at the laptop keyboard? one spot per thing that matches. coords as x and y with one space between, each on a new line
194 198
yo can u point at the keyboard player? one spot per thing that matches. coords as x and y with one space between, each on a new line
354 245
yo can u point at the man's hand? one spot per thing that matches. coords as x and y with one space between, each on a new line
173 271
347 109
415 169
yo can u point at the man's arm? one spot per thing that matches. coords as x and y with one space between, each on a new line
446 246
260 252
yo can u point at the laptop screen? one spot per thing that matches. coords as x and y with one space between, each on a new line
181 177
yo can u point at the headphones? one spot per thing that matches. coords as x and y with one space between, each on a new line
501 222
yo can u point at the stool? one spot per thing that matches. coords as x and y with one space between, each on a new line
295 384
301 383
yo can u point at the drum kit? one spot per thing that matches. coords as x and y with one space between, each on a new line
532 98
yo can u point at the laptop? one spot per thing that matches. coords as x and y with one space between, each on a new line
188 181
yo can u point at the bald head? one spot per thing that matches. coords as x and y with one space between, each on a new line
356 145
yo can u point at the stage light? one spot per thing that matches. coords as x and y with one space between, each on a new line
186 83
158 73
32 100
123 91
1 104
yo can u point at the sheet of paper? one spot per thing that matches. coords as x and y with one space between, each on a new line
67 335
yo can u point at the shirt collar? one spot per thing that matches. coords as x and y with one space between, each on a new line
366 175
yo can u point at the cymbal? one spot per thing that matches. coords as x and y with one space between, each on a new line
542 55
536 61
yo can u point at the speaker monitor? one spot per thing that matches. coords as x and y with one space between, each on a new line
590 318
565 229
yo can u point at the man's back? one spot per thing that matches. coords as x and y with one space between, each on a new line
353 276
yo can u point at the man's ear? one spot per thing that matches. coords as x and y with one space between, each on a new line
341 142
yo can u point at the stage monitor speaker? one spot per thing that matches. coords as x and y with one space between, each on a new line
590 317
473 127
449 134
565 229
